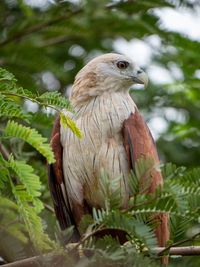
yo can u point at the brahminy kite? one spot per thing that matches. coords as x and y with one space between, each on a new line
115 136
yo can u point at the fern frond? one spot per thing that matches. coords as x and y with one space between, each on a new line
177 192
137 231
193 206
178 225
191 178
170 171
7 76
33 223
12 110
107 248
9 214
151 212
31 183
67 121
141 179
4 172
108 252
163 201
55 99
110 190
32 137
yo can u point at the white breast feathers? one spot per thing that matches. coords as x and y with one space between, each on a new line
101 147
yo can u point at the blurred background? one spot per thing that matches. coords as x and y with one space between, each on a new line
44 43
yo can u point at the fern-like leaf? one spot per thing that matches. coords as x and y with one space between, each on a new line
170 171
32 137
178 226
12 110
136 230
55 99
31 183
33 223
27 177
9 220
141 179
67 121
6 76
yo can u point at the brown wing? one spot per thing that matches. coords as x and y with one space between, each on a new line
139 142
56 181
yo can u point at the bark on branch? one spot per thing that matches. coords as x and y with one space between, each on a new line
183 251
35 261
177 244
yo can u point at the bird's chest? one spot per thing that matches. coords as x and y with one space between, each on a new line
101 147
103 118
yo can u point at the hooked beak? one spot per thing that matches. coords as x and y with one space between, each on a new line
140 78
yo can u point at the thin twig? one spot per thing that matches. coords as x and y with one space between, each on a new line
178 243
38 27
86 238
45 24
48 207
9 224
4 151
31 99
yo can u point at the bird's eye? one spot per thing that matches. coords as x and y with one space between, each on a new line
122 65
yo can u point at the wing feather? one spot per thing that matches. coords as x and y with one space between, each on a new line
139 142
56 181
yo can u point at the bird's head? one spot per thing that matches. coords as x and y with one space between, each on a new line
107 73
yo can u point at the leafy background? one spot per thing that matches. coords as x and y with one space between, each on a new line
45 45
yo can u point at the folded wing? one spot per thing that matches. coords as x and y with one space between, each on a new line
139 142
56 181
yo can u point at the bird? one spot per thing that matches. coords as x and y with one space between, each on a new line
115 136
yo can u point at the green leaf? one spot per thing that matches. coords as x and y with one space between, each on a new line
9 218
31 136
55 99
28 178
12 110
141 180
6 76
66 121
32 221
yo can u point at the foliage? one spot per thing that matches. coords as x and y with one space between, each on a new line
18 177
44 47
137 222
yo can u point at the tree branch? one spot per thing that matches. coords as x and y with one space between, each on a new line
34 261
38 27
43 25
178 243
183 251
